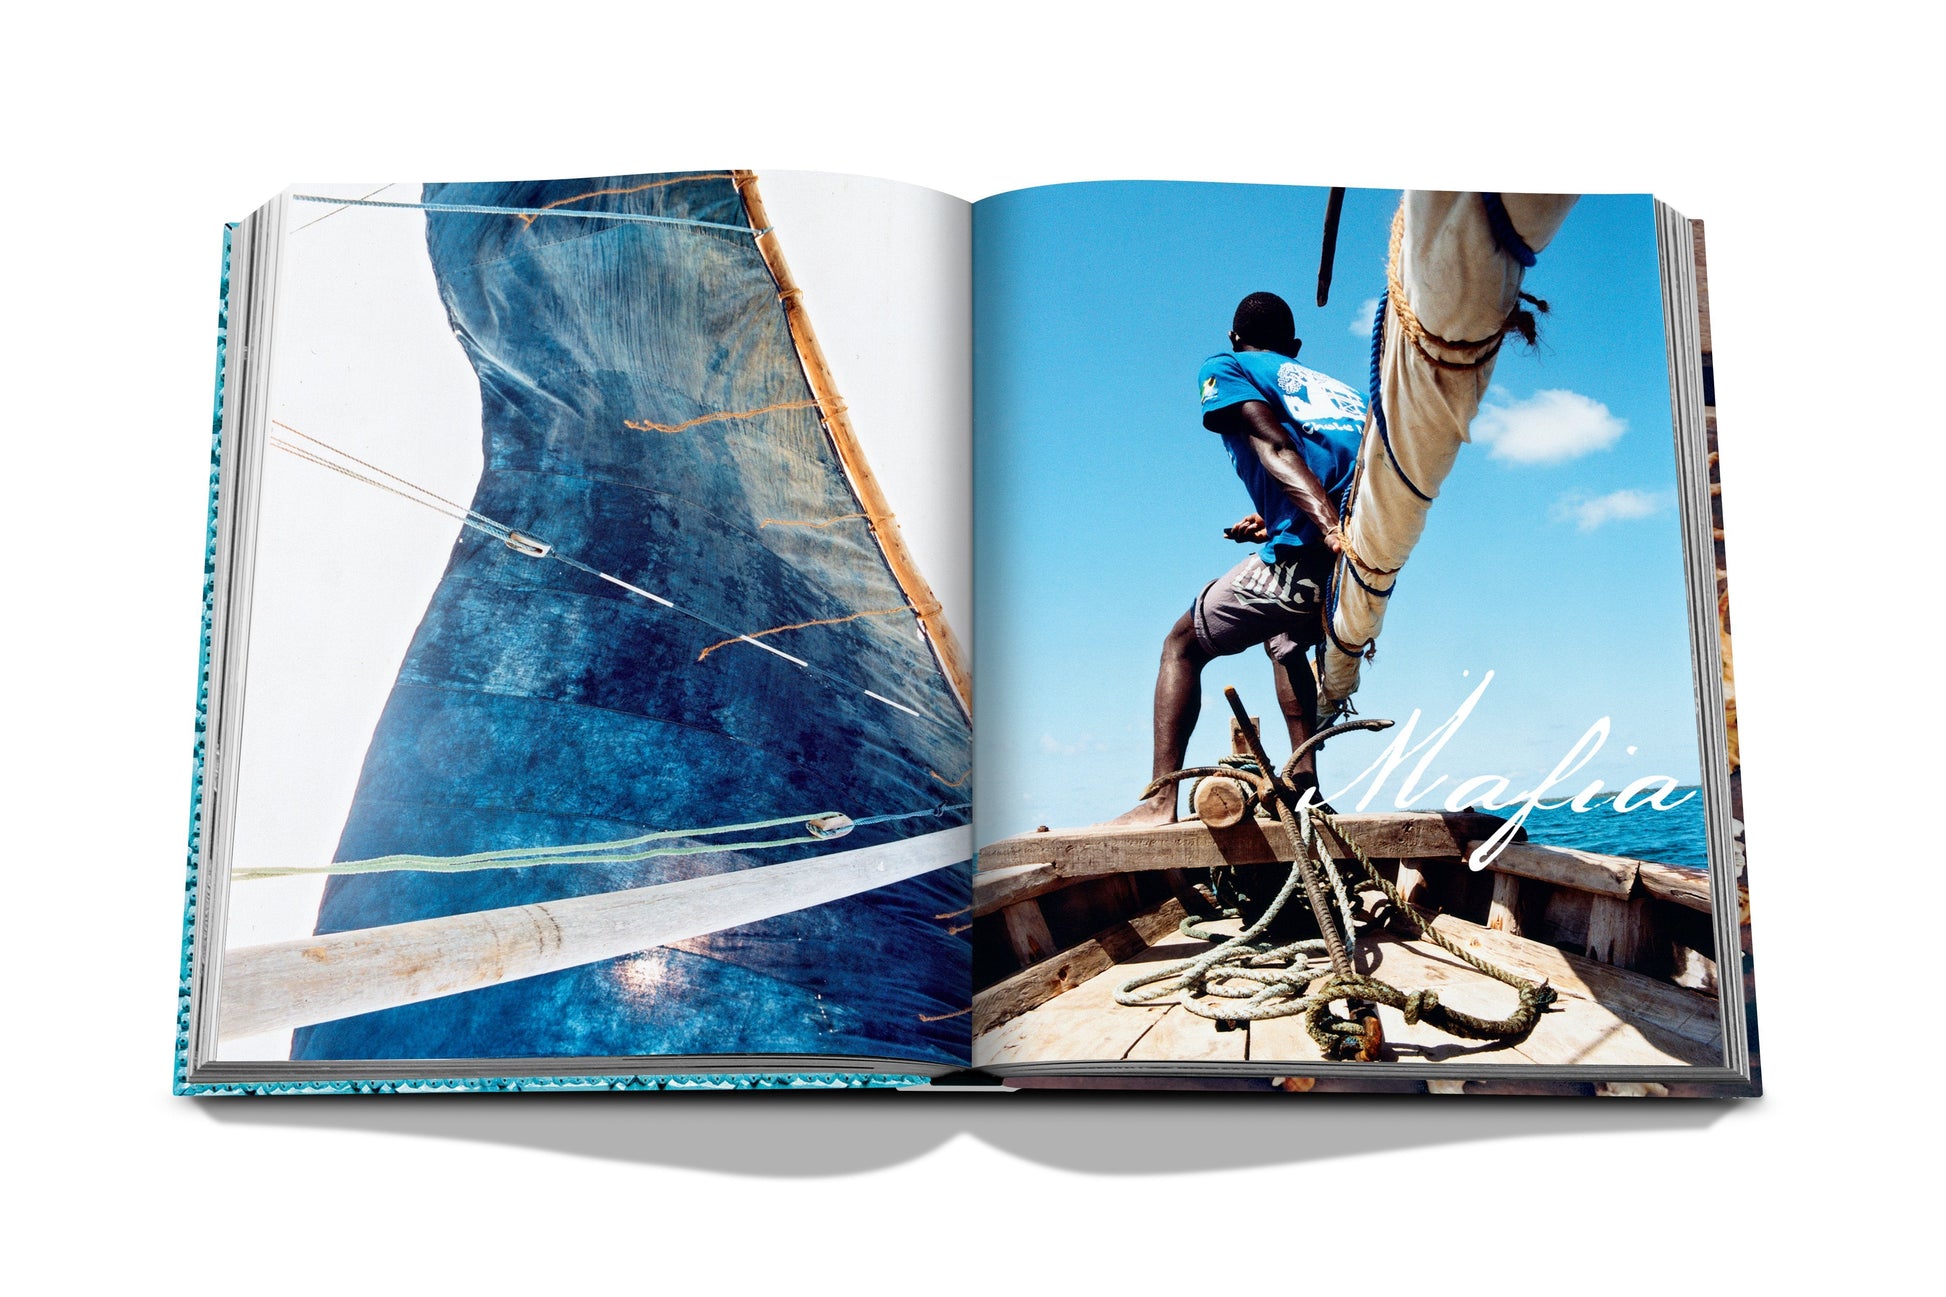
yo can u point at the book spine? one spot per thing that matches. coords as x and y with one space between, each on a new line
199 749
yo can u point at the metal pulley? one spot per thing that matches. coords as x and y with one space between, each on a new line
828 826
533 547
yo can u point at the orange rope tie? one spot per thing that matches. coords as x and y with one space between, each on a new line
941 1017
951 783
649 425
527 218
1417 333
800 625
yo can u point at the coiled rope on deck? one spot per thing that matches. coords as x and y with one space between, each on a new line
1258 981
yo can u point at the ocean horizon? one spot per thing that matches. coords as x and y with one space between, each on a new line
1676 836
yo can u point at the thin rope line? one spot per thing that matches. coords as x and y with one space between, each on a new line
317 441
299 452
502 532
649 425
941 811
481 210
634 189
753 636
334 211
622 851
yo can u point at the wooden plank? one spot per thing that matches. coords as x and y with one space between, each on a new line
1282 1040
996 889
1101 849
1182 1037
1563 919
1412 884
1585 871
1686 887
1027 932
1620 932
319 979
1051 1034
1503 912
1035 986
1629 996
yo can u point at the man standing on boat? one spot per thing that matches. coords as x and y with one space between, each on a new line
1292 435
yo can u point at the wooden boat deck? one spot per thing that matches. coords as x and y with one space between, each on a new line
1604 1016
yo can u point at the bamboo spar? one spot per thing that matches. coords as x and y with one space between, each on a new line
318 979
837 422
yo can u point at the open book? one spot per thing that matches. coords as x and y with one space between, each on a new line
587 698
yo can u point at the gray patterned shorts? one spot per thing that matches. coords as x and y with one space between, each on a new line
1276 604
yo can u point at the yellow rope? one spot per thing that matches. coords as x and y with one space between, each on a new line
649 425
1418 334
800 625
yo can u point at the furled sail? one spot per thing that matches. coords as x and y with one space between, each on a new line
694 625
1453 286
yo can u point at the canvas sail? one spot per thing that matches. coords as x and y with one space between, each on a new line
752 653
1459 281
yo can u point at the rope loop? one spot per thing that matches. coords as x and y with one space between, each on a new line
1505 236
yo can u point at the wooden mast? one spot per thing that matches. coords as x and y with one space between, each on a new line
318 979
837 422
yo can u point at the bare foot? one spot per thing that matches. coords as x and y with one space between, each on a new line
1155 811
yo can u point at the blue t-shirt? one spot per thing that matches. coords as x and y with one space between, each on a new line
1323 418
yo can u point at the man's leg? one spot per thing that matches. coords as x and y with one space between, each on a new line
1297 696
1178 703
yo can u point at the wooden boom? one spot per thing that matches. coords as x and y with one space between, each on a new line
317 979
837 423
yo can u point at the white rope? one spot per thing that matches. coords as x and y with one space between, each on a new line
500 531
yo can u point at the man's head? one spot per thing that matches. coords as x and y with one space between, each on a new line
1263 322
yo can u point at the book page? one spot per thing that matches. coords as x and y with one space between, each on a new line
1139 551
587 567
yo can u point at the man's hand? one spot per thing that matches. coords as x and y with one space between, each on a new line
1335 538
1250 531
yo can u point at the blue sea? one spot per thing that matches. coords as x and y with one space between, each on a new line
1673 837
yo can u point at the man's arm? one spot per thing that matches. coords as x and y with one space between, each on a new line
1281 460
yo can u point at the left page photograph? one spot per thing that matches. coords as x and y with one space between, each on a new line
586 695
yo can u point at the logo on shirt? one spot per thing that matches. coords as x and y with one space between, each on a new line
1312 397
1209 389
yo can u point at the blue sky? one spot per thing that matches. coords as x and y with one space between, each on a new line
1552 557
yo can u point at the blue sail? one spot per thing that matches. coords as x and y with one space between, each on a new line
646 414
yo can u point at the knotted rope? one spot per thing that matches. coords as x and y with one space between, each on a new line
1252 979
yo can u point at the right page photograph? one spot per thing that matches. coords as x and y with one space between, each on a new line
1346 690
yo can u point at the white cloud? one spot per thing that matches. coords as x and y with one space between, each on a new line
1361 322
1550 426
1086 742
1589 512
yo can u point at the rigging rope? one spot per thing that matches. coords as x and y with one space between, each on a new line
523 543
479 209
821 827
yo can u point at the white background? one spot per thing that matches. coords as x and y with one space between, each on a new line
1809 146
